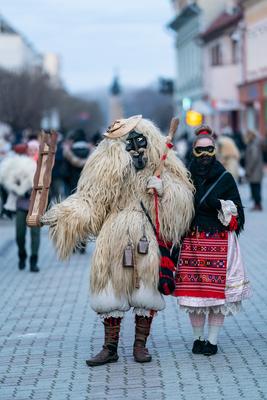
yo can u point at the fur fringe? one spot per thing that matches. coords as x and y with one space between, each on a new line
107 206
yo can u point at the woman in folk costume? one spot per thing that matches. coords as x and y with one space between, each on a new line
113 188
211 280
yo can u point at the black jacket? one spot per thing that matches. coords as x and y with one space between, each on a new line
206 214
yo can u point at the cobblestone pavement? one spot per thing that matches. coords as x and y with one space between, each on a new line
47 330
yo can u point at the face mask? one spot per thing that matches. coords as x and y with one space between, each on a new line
136 144
207 151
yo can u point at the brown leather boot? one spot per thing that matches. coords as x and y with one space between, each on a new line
109 352
142 330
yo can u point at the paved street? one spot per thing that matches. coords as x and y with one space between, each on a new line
47 330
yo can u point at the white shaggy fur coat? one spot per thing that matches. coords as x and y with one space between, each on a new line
107 206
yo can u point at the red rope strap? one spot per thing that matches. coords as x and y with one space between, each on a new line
156 201
156 197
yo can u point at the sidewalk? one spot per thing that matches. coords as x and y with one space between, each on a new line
47 330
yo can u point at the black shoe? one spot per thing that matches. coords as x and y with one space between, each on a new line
198 346
34 268
210 349
33 264
22 264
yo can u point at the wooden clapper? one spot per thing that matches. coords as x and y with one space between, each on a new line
42 178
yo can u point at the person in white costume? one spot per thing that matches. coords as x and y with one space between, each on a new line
117 177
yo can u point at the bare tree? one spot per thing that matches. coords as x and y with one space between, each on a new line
25 98
79 113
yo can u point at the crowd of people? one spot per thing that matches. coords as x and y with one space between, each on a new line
243 156
17 168
202 216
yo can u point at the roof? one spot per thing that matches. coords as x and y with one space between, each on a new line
186 13
220 24
5 27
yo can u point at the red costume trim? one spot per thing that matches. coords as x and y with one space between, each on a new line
169 145
233 225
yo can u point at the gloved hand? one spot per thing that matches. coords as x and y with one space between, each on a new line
49 218
155 183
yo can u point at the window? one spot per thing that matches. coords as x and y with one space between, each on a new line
235 52
216 55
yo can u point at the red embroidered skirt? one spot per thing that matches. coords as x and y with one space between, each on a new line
202 266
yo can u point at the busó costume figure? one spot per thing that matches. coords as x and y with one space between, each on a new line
107 205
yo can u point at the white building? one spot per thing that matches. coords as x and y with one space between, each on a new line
51 65
222 50
16 53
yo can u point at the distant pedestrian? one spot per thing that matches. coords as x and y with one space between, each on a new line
241 145
16 175
211 280
23 203
228 154
57 187
75 153
254 168
264 148
182 146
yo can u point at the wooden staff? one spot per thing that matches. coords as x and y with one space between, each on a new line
42 178
169 145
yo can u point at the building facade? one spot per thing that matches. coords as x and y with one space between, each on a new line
253 88
51 66
16 53
192 18
221 44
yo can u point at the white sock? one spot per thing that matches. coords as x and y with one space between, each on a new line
198 332
213 333
197 322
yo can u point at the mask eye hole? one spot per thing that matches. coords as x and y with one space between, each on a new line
198 150
210 149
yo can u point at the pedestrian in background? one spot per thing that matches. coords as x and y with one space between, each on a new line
57 187
182 146
76 151
254 168
16 175
228 154
23 204
76 154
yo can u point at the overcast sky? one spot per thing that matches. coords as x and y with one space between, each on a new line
96 37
